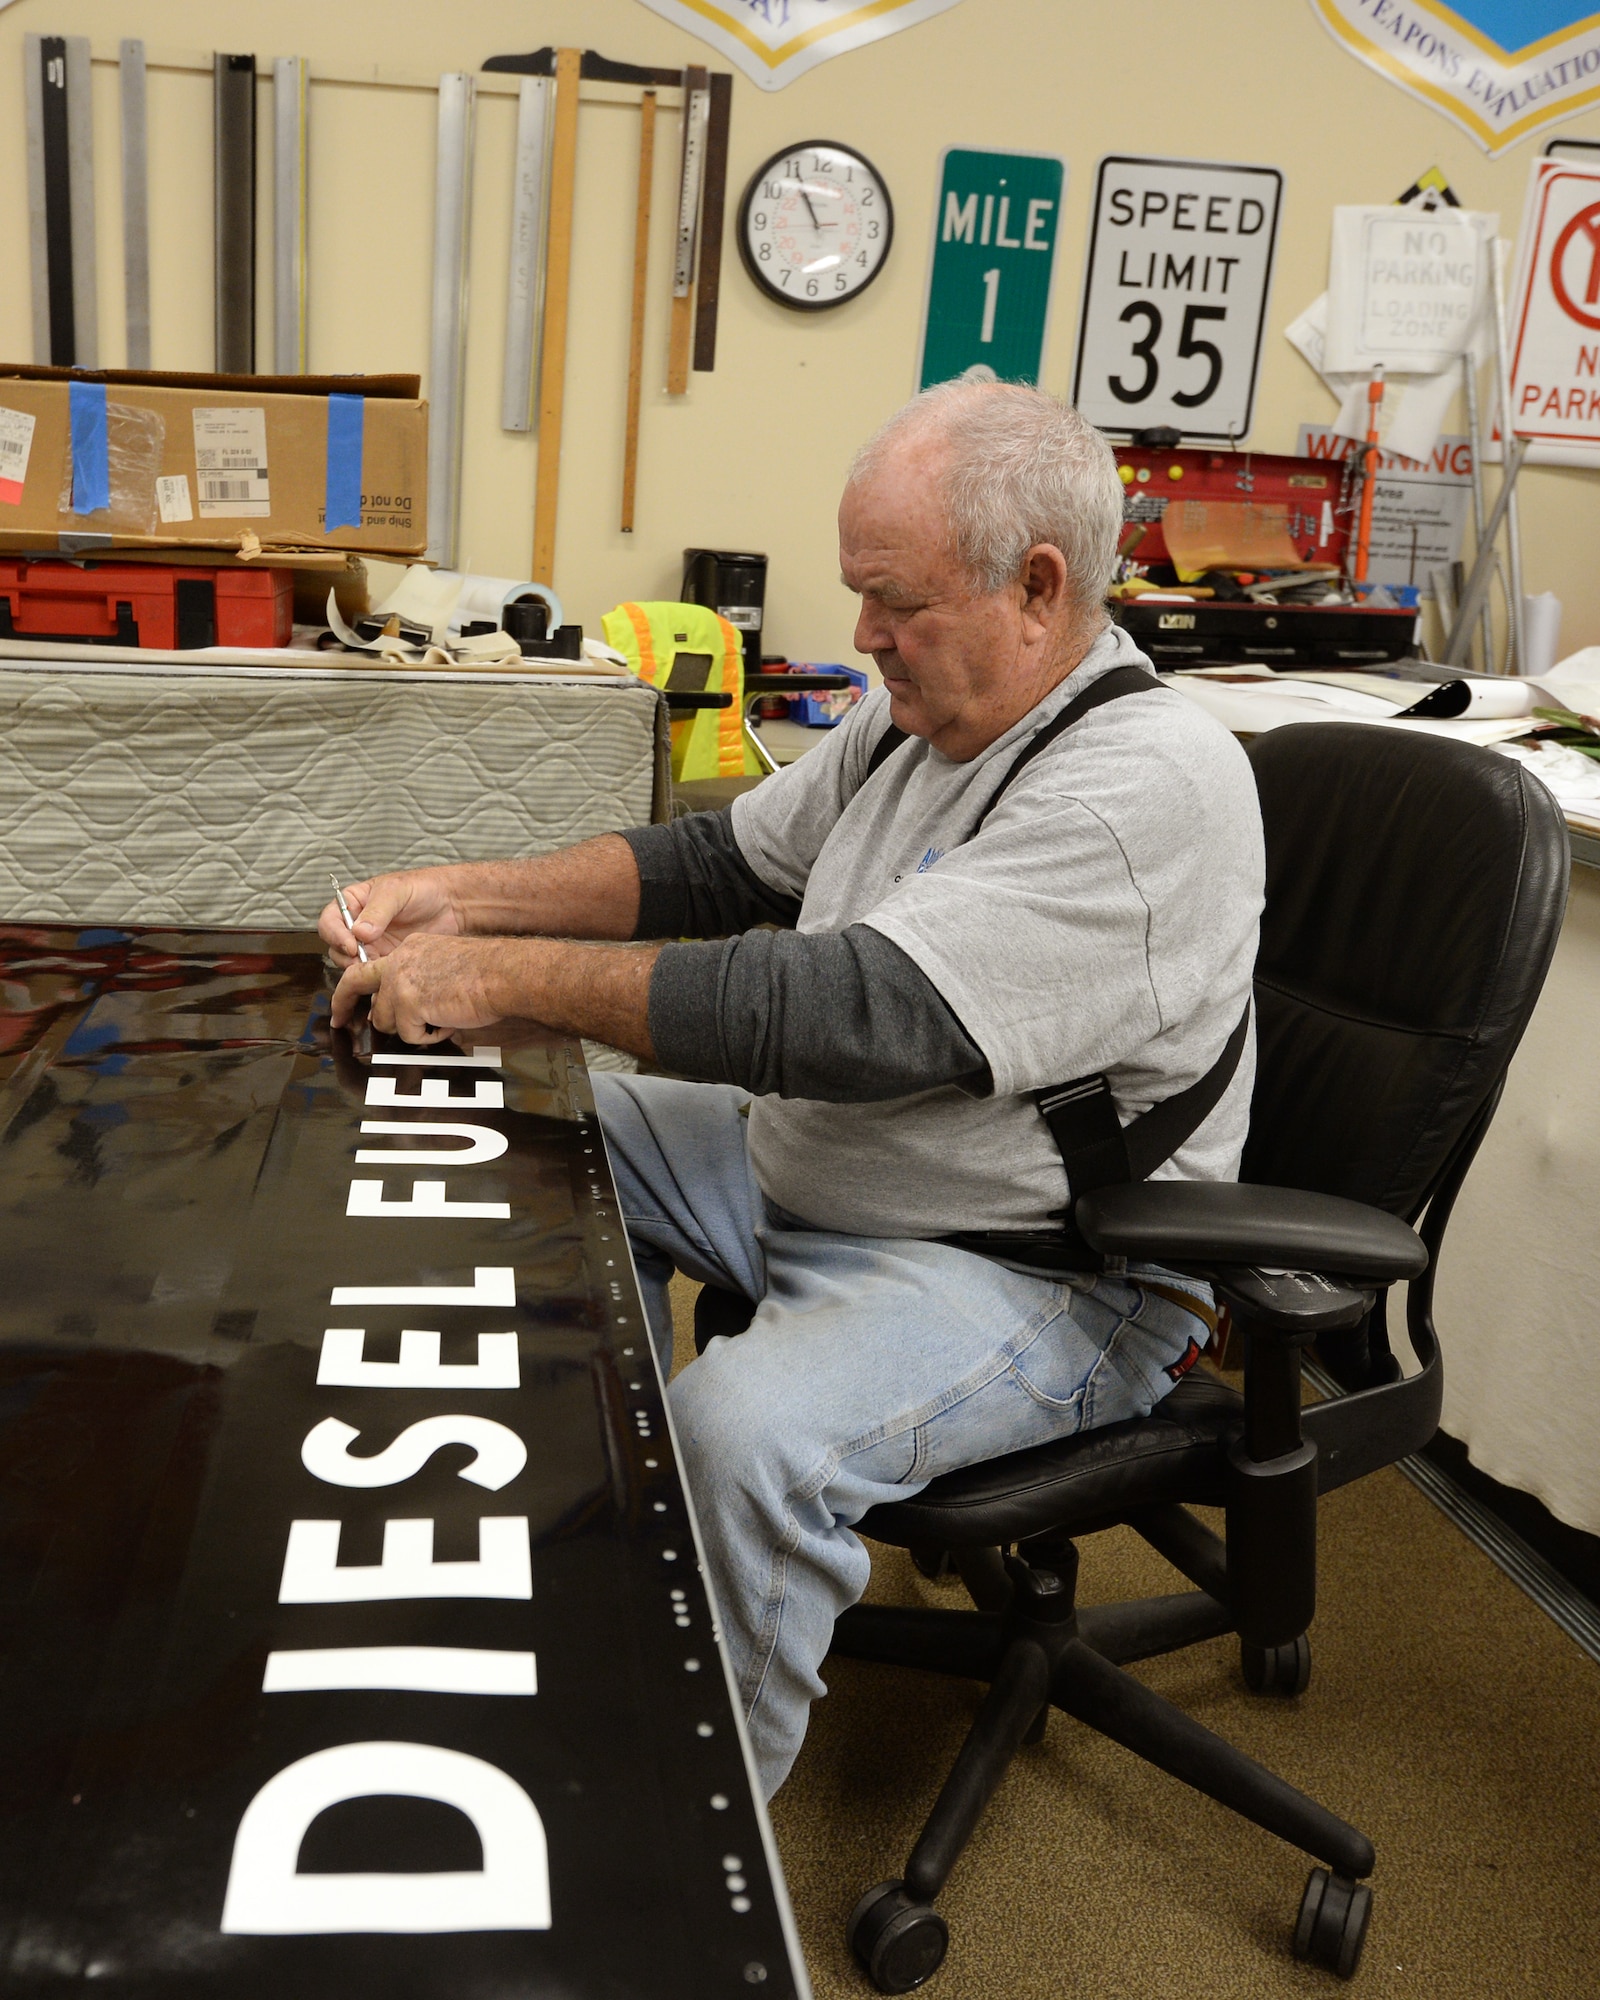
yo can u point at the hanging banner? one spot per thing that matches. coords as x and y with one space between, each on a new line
1175 296
774 41
994 253
1476 61
1555 316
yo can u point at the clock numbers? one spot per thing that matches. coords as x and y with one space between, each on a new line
815 226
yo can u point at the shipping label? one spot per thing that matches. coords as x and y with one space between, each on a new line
172 498
230 459
16 442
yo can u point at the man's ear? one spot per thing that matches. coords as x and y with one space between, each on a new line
1045 597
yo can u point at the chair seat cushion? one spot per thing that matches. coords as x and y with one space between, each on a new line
1175 1454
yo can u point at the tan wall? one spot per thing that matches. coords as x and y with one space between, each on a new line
754 454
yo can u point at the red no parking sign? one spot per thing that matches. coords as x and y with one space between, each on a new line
1555 325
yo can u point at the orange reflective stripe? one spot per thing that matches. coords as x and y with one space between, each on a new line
730 721
641 631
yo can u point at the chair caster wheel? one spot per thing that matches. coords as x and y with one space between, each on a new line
1281 1670
936 1564
899 1943
1334 1914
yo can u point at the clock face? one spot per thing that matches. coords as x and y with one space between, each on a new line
815 225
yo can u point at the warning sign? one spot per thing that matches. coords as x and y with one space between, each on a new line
1175 297
1555 324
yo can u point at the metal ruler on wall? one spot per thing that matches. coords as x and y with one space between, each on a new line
60 148
234 155
132 84
447 347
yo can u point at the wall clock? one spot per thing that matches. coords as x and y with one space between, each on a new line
815 225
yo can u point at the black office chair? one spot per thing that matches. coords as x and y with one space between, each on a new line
1415 891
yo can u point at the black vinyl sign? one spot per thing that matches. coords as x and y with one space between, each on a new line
354 1635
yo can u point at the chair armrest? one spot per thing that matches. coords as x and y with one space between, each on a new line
1212 1223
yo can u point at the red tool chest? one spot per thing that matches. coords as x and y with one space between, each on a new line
161 605
1307 488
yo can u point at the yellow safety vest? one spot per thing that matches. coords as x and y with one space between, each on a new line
709 743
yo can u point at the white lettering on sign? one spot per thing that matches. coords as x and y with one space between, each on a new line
1175 295
313 1574
488 1093
492 1285
483 1056
343 1365
484 1144
423 1669
268 1897
1555 320
426 1202
498 1454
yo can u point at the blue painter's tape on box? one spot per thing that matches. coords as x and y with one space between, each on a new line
91 457
346 426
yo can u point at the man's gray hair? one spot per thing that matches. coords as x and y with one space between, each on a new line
1023 468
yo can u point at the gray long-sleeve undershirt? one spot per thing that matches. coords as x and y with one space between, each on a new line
845 1017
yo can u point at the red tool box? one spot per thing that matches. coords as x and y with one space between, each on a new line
160 605
1306 498
1308 488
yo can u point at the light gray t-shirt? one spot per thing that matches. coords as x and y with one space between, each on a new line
1104 918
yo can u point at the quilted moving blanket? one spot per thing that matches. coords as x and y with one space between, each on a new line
223 796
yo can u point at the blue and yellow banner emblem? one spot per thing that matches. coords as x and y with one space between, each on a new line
1500 69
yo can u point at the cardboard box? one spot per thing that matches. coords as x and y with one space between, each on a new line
109 459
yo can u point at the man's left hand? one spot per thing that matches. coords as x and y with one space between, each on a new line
428 987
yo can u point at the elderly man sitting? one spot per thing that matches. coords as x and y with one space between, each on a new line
1021 864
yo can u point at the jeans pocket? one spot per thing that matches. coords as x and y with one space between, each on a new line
1053 1367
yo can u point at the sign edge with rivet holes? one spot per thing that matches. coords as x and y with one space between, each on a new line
1534 297
1131 418
993 224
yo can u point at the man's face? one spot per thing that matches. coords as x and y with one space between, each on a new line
956 661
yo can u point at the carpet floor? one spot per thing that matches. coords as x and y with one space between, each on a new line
1446 1716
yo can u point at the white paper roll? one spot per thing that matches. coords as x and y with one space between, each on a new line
488 596
1541 625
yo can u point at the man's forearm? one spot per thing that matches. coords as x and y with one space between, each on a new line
434 985
598 990
587 891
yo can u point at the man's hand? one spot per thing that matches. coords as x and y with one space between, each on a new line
387 910
429 986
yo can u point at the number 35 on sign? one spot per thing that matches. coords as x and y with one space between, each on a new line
1175 298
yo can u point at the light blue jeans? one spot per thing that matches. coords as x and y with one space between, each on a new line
871 1366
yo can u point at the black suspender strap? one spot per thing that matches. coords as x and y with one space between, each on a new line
885 747
1099 1151
1109 687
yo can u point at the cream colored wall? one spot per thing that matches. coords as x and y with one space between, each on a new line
1520 1266
753 455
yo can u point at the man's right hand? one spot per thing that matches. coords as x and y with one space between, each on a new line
387 910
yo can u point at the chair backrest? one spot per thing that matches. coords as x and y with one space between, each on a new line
1415 891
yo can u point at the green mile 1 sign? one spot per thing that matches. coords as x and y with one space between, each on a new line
994 254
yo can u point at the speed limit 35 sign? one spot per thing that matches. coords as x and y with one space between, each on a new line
1175 297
